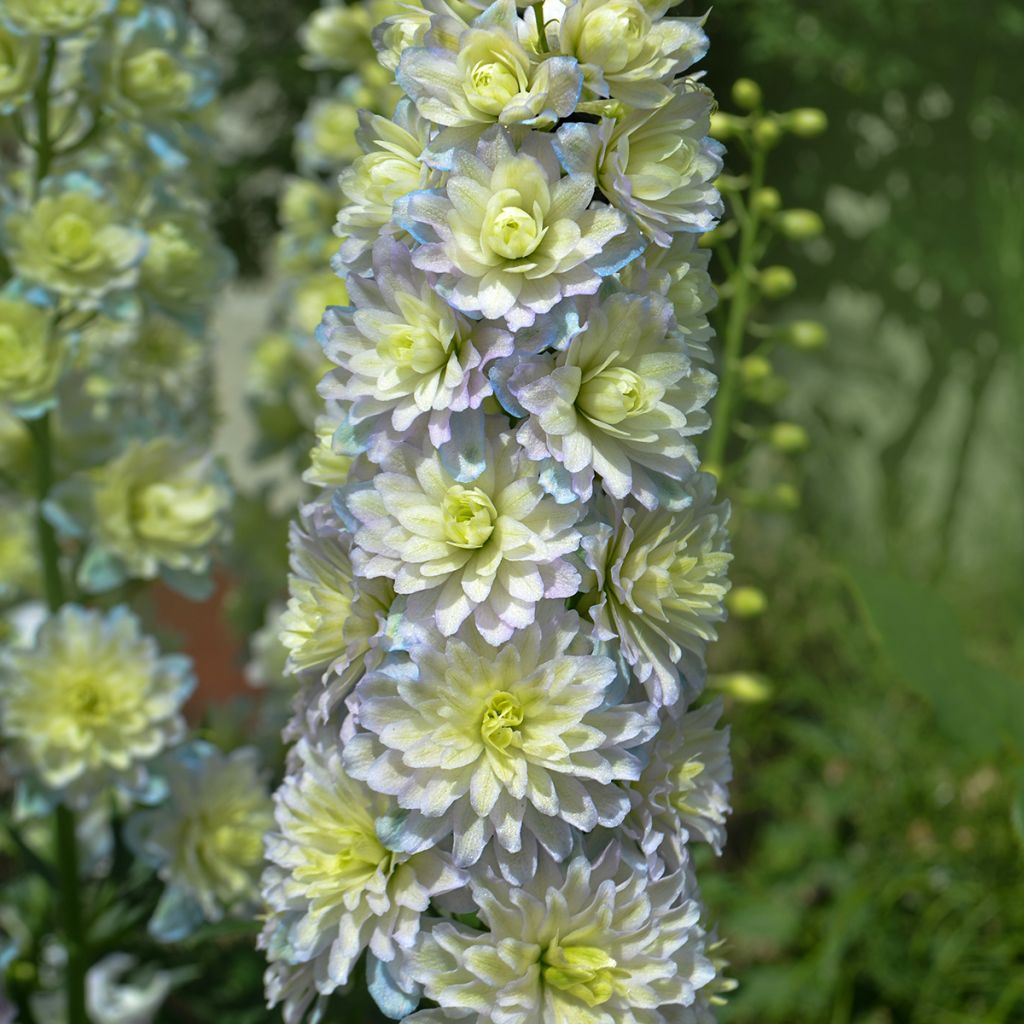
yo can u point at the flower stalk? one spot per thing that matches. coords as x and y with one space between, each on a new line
738 296
70 903
49 549
502 594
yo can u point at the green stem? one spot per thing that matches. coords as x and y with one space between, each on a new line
70 902
71 915
736 324
49 551
542 34
43 147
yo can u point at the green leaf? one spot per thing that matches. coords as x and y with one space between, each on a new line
979 708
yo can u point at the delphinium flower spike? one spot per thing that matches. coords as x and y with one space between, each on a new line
499 617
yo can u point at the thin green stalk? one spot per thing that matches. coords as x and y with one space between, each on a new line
542 35
736 323
71 915
44 146
68 875
49 552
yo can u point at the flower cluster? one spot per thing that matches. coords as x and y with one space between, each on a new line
114 266
109 267
286 363
499 610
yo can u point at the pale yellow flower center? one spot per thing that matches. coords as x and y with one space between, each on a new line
87 700
686 781
659 159
70 238
418 347
511 232
503 715
682 573
387 177
586 972
491 84
354 859
613 35
614 395
154 78
469 516
179 512
423 347
171 251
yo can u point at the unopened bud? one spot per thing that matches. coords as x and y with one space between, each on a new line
724 231
746 602
789 438
725 126
800 225
746 687
806 335
755 369
777 282
767 132
766 200
746 94
785 497
806 122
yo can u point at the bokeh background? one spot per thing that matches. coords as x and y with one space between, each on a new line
874 866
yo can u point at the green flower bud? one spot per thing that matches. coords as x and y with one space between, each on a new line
806 122
766 200
716 236
806 335
788 437
725 126
745 687
767 132
746 94
746 602
776 282
755 369
785 497
800 225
